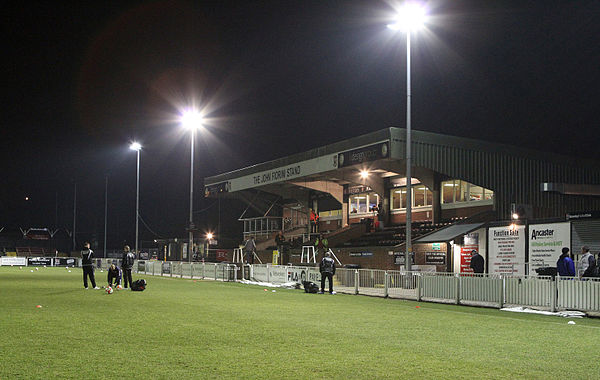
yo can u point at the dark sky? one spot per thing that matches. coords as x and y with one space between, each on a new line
83 79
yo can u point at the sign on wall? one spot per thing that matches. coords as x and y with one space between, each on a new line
11 260
471 243
39 261
507 250
283 173
545 244
368 153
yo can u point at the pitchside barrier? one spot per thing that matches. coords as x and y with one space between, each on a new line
490 290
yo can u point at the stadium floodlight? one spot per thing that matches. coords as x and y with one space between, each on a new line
137 147
209 236
515 216
411 17
364 174
191 120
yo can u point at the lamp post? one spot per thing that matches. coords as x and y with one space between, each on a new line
410 18
191 120
137 147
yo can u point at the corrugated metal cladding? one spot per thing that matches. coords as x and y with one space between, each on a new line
514 174
585 232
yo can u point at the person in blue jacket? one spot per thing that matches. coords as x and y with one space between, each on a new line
565 265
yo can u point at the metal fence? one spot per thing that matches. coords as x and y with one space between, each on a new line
559 293
545 292
209 271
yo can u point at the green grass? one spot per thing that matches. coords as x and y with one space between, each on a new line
202 329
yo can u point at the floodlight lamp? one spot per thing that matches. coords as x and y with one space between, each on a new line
515 216
364 174
135 146
191 120
209 236
411 17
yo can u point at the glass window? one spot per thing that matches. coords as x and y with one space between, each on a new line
428 197
448 191
395 199
358 203
403 197
419 195
464 191
373 201
475 193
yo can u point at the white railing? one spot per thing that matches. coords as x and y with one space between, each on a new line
472 289
210 271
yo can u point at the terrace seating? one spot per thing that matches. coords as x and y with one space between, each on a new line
32 252
395 235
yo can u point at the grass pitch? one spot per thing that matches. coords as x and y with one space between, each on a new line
184 329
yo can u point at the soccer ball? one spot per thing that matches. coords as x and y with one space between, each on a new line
119 287
109 290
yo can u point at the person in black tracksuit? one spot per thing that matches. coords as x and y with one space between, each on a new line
87 265
126 264
327 269
114 273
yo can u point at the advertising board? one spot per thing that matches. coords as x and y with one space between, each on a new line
507 250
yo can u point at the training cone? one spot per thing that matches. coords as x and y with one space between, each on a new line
417 307
38 306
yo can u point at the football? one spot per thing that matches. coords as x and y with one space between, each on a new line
109 290
119 287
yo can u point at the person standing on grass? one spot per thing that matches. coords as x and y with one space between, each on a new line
87 265
587 263
565 265
327 269
126 264
477 262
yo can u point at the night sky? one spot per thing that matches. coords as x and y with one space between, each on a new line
81 80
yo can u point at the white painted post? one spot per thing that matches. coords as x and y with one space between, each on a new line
500 292
356 278
554 290
386 289
457 288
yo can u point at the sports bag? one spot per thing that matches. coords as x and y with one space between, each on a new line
138 285
310 287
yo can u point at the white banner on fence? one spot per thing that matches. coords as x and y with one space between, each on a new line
507 250
545 244
10 260
260 273
299 274
277 274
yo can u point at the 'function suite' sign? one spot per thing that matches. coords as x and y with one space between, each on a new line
507 250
